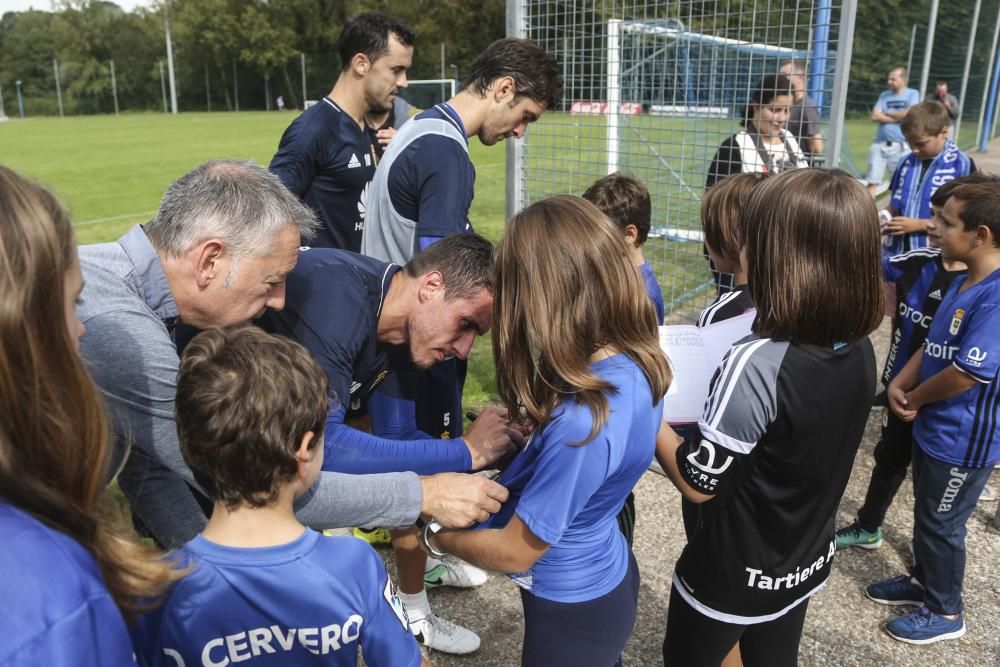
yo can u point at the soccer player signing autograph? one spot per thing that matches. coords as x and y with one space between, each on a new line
575 341
781 426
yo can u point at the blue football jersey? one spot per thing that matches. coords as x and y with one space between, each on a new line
569 494
328 160
57 611
314 601
921 283
962 430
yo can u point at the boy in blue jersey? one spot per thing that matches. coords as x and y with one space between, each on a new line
935 160
625 200
327 156
950 392
264 588
922 277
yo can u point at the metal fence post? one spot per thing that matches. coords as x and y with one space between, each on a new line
55 69
838 101
968 64
514 147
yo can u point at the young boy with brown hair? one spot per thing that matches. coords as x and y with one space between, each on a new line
625 200
251 408
934 160
922 277
723 225
950 393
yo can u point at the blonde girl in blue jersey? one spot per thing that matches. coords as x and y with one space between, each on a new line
575 342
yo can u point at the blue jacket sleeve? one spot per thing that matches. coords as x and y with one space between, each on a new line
349 450
394 417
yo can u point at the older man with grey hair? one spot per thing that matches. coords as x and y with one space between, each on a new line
217 254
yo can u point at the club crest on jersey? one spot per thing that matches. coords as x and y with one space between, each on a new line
956 321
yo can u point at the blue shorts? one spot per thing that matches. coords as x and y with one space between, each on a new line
593 632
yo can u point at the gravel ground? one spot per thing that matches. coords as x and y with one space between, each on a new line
843 627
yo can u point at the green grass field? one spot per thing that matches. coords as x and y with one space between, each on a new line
111 172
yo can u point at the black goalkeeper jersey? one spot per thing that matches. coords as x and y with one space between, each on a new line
778 437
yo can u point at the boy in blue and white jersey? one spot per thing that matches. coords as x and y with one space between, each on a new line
922 277
934 160
625 200
264 588
952 394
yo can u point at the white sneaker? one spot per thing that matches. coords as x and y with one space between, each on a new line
441 635
455 572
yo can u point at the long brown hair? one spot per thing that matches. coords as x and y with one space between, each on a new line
564 288
54 439
814 270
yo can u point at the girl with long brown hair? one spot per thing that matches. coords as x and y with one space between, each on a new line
576 350
781 425
70 577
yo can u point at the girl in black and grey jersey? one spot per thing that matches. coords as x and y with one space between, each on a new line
781 426
724 227
723 224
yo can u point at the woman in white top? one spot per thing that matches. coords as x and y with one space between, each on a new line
763 145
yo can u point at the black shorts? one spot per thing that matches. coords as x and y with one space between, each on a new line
695 640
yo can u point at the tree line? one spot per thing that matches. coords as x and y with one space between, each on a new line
228 54
233 54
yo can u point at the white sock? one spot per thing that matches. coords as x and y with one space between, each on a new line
417 605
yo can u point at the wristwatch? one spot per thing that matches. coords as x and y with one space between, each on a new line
426 529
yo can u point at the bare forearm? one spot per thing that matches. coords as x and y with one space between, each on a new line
943 385
908 376
513 548
880 117
482 548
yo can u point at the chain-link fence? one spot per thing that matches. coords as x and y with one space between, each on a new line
655 88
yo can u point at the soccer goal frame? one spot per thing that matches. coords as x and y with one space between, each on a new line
617 60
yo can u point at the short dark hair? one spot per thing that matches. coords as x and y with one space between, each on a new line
534 70
807 229
946 190
368 33
465 262
927 118
905 73
625 200
768 87
981 203
722 213
245 399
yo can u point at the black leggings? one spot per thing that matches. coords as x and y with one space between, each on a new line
695 640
